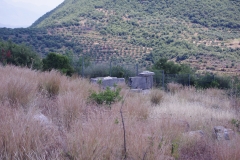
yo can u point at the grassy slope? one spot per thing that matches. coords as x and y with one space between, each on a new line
131 30
222 13
36 126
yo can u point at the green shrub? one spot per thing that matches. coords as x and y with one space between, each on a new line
170 67
97 70
107 96
211 81
121 72
59 62
235 123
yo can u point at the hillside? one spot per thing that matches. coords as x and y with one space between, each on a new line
204 34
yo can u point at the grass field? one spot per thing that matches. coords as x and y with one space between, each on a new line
45 115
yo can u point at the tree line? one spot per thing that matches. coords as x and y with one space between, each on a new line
23 56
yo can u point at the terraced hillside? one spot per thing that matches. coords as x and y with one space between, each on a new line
204 34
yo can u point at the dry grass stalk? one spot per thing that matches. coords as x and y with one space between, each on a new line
156 96
174 87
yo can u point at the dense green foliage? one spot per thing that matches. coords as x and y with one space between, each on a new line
211 81
170 67
183 74
59 62
107 96
209 13
121 72
19 55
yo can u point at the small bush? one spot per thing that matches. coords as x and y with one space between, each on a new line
211 81
107 96
121 72
236 123
156 97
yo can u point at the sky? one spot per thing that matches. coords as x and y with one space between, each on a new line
23 13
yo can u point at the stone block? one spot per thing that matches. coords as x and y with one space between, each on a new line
108 81
222 133
143 81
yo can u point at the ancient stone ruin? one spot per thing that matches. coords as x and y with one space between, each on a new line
108 81
222 133
143 81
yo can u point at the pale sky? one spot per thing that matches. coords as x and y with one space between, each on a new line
23 13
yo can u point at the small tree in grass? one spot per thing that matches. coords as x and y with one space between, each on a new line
59 62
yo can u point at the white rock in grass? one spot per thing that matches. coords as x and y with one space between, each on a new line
196 134
41 119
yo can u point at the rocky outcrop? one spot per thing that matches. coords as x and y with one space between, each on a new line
222 133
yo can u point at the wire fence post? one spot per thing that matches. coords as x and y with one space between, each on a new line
136 69
188 79
110 71
163 80
82 66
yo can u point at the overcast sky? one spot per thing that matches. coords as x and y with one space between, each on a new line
23 13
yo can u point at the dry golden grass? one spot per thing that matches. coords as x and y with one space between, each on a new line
38 121
156 96
174 87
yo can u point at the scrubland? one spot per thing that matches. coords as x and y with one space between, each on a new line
45 115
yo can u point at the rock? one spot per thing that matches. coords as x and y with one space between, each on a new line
108 81
147 91
222 133
41 118
143 81
199 134
60 136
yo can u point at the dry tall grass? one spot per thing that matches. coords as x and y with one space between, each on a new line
47 116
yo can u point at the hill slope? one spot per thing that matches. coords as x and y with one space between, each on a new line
203 33
222 13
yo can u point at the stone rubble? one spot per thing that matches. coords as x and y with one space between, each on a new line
222 133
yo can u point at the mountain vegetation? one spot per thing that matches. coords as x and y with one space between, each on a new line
204 34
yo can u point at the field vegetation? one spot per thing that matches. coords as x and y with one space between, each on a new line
46 115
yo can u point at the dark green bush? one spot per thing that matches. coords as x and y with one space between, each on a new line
59 62
212 81
121 72
97 70
170 67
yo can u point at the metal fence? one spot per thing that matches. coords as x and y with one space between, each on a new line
198 80
97 68
90 68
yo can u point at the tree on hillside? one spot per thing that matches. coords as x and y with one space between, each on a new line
59 62
19 55
170 67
